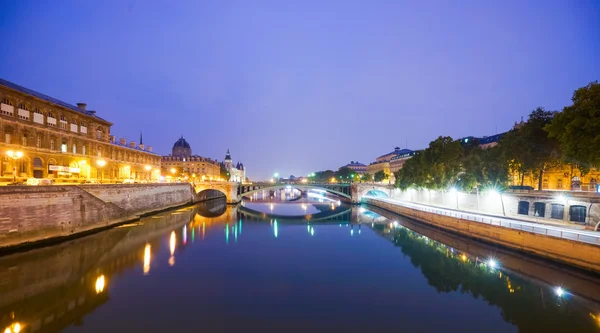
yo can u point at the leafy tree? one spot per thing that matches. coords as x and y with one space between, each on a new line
528 148
343 174
366 177
380 176
224 173
577 128
324 176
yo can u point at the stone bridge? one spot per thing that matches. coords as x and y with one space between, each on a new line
234 192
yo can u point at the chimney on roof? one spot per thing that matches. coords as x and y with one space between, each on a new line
81 106
123 141
112 139
149 148
132 144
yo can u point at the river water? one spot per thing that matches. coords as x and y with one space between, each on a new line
282 266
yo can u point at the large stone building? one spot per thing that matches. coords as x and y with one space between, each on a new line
54 139
237 173
357 167
182 163
390 162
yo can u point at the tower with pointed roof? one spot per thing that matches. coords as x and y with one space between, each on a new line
237 173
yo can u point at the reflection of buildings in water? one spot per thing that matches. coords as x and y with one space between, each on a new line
51 288
524 288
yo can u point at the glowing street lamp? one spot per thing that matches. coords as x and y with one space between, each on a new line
148 168
15 156
101 164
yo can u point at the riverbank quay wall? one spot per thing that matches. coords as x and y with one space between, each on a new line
574 209
37 214
572 252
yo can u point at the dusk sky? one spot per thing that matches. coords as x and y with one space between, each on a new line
301 86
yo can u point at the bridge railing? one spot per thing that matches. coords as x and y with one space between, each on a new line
588 237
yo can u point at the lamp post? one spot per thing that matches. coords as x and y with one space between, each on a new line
101 164
148 168
15 156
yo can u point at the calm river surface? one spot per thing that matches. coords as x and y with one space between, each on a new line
266 266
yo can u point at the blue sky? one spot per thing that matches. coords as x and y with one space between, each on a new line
300 86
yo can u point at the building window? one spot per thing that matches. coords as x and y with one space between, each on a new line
577 214
6 107
51 144
74 149
63 148
557 212
83 149
524 207
63 122
51 119
559 184
7 138
539 209
24 140
38 142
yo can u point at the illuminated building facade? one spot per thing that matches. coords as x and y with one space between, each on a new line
182 163
64 142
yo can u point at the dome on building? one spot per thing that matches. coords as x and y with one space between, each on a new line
182 143
182 148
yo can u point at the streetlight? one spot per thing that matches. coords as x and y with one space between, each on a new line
101 164
15 156
148 168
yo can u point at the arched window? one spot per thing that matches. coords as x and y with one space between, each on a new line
38 116
63 122
23 106
6 101
37 162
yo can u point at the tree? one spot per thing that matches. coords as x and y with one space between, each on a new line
529 149
343 173
380 176
577 128
366 177
324 176
224 174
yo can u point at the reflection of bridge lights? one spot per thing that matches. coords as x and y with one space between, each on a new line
271 207
147 256
275 228
312 231
100 282
227 233
184 234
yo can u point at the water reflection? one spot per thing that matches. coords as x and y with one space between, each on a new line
51 289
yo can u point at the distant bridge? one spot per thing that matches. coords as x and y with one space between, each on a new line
234 192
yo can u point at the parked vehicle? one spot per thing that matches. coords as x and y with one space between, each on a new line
128 181
39 181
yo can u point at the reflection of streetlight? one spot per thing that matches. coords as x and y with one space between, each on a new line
15 156
147 256
101 164
100 282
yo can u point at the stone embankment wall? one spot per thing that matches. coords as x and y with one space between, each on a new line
578 254
507 204
41 213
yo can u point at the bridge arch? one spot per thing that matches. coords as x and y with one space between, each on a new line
373 190
204 191
249 190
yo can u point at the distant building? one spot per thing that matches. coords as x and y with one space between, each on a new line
357 167
390 162
181 163
237 173
483 142
397 162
